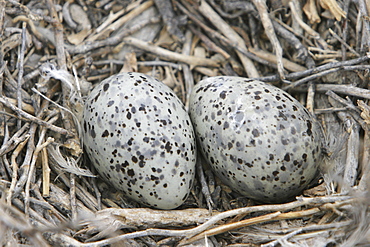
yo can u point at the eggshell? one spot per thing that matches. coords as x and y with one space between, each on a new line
140 139
256 137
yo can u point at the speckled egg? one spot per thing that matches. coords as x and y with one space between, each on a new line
139 137
257 138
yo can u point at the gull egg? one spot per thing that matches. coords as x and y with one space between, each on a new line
258 139
140 139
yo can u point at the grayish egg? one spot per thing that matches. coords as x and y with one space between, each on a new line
256 137
140 139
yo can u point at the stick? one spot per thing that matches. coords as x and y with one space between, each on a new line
170 55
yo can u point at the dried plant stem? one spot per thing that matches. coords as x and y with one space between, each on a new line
18 137
38 149
272 58
15 169
45 173
188 76
247 222
114 26
21 71
210 14
269 29
189 233
307 28
166 54
29 117
72 194
59 37
344 89
313 71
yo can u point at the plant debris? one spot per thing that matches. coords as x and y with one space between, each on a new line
53 52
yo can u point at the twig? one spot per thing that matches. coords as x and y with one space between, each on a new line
15 220
24 169
21 71
269 29
45 173
59 37
17 137
343 43
231 226
289 65
188 233
344 89
72 194
307 28
204 185
222 38
247 222
111 41
170 55
114 26
209 43
188 76
172 23
112 17
15 169
296 75
29 117
210 14
38 148
285 237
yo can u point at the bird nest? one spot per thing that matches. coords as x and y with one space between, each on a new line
54 52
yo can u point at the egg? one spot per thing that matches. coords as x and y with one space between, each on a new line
140 139
257 138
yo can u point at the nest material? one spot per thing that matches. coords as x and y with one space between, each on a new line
51 56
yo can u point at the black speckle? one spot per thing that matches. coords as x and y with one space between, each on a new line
304 157
249 165
287 157
223 95
284 141
255 133
105 87
229 145
309 127
110 103
131 172
105 133
168 147
282 115
92 133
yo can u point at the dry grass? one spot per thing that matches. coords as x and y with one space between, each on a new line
51 55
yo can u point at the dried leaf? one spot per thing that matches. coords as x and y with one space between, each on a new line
130 64
310 10
79 16
334 8
77 38
365 111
